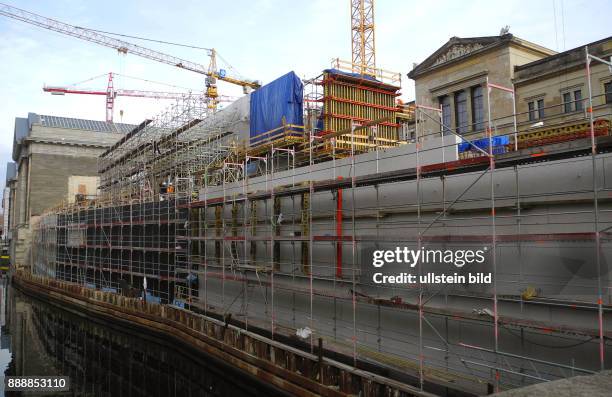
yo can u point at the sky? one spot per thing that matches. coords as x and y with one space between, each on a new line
261 40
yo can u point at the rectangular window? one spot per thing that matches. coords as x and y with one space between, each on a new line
477 108
540 109
567 103
608 89
532 114
461 114
446 114
578 99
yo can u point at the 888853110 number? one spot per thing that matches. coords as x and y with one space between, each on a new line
36 383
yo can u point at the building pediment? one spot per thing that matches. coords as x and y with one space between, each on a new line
457 48
456 51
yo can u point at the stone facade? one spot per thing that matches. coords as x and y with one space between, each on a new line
454 78
50 176
560 83
49 152
8 200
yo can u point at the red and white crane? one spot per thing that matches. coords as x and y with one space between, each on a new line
111 93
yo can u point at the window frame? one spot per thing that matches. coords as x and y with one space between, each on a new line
477 125
531 110
607 92
578 105
461 128
567 102
540 108
445 103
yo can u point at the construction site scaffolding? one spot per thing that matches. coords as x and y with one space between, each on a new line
277 236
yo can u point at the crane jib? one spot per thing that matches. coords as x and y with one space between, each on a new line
119 45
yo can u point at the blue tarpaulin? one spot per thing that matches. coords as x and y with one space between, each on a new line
484 144
269 104
152 298
179 303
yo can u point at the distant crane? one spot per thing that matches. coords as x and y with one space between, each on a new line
211 72
111 93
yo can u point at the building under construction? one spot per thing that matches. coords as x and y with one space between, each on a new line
269 211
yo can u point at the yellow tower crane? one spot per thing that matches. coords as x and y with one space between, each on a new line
363 47
362 35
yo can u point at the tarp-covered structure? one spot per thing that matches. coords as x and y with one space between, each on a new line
274 105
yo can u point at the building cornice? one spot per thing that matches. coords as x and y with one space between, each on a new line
441 89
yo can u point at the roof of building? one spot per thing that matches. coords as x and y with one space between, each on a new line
82 124
11 171
458 48
23 126
561 62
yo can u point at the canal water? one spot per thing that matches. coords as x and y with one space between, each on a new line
41 339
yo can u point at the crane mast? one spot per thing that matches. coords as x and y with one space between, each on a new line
362 37
110 98
363 48
125 47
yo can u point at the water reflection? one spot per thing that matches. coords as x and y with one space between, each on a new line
38 338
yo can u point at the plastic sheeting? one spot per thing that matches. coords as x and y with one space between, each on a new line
497 142
233 118
282 98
